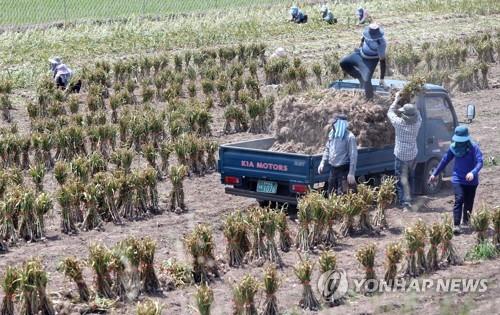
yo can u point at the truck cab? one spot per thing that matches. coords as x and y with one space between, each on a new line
249 169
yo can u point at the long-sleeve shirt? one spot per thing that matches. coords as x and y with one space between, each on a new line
470 162
373 48
342 151
405 147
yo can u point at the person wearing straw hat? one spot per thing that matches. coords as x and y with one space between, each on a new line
341 152
327 15
297 16
62 74
406 122
465 178
362 62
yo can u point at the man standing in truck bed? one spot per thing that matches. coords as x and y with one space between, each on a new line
341 152
406 121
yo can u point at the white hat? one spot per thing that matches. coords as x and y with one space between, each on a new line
55 60
280 52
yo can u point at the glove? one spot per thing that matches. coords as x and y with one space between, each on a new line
351 179
321 167
469 177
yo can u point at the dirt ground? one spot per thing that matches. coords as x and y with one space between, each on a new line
208 203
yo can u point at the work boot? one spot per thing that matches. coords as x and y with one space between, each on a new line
457 230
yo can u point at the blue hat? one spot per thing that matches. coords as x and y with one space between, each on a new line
461 134
373 32
294 10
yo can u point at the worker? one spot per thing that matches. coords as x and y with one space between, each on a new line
297 15
363 16
465 179
341 153
406 121
62 75
362 62
327 15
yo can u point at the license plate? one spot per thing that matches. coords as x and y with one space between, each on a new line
264 186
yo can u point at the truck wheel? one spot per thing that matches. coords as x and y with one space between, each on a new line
264 203
435 187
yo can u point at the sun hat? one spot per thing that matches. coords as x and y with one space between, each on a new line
408 113
55 60
324 9
461 134
280 52
373 32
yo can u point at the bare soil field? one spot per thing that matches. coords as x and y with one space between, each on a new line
207 203
189 70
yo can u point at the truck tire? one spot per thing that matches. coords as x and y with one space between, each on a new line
264 203
433 188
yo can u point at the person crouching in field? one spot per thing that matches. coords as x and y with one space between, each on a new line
341 152
297 16
62 75
327 15
465 179
363 16
406 122
362 62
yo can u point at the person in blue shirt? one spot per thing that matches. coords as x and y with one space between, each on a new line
327 15
362 62
297 15
465 178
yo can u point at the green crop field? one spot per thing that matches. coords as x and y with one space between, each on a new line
42 11
23 57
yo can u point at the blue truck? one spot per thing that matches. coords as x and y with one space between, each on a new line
250 170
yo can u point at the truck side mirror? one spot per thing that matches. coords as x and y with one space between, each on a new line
471 112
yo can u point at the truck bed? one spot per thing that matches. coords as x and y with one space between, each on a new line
252 161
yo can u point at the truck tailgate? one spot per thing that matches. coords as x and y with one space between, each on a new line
244 161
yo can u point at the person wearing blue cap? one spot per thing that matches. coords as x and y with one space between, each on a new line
465 179
327 15
341 152
362 62
297 16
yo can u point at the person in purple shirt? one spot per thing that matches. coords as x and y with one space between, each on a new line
465 178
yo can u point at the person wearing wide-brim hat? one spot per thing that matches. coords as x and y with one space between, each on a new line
362 62
465 179
406 122
341 154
